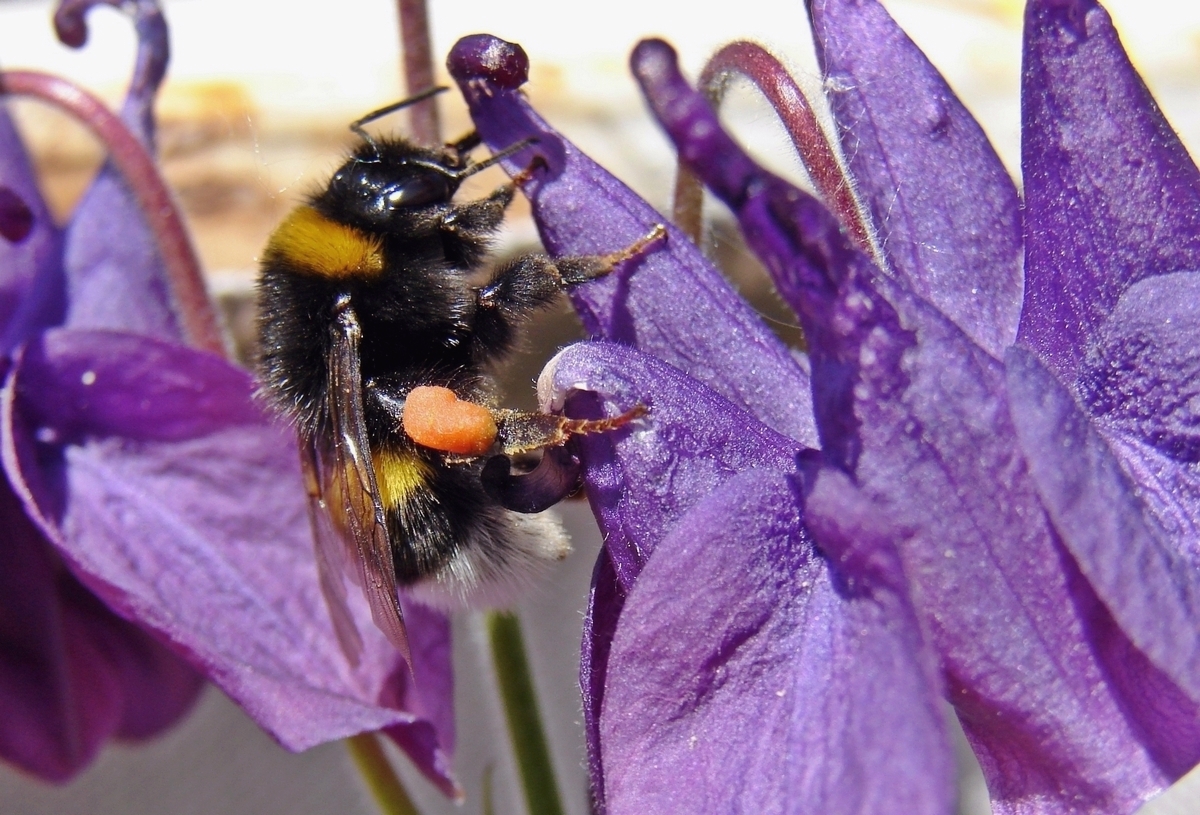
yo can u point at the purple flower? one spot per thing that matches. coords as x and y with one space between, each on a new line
719 646
152 511
1004 408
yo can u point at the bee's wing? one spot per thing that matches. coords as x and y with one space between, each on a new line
352 482
333 552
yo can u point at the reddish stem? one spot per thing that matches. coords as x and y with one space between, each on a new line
127 154
687 209
418 70
820 159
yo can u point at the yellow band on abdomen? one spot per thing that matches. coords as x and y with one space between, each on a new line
399 475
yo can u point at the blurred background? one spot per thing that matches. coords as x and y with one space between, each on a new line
254 114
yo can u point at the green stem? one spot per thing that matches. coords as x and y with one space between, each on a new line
385 786
521 713
489 807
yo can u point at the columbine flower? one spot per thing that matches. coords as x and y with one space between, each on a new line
1010 445
709 668
142 477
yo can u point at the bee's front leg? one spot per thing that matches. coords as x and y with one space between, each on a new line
533 281
477 221
473 224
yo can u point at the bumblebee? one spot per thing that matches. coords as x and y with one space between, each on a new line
377 340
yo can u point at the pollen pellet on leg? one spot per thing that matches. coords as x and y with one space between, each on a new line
435 417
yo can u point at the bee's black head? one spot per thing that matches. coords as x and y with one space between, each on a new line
385 183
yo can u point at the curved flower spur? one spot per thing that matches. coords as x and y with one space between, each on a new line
144 470
692 643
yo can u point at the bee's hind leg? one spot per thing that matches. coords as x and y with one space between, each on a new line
520 432
557 475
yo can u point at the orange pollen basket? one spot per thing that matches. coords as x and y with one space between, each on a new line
435 417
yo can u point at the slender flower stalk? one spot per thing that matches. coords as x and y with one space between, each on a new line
756 64
417 52
375 767
519 699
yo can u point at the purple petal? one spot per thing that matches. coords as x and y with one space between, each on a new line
671 302
115 284
158 687
197 528
1146 582
744 677
128 388
1111 195
1142 376
430 697
606 599
72 674
947 212
119 284
641 479
432 675
918 414
1140 383
934 442
31 293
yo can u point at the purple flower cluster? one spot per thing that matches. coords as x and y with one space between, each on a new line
980 483
153 518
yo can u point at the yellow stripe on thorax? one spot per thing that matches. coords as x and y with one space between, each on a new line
399 475
308 239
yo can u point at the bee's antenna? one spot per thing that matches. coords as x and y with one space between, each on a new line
495 158
458 175
356 126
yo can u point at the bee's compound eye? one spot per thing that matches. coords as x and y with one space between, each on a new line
418 190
